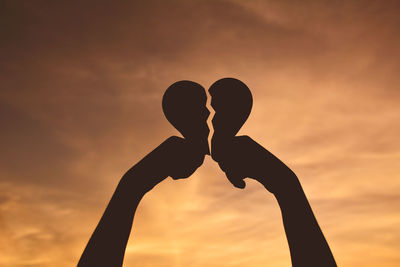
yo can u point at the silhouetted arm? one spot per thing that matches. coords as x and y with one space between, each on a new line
242 157
307 243
107 244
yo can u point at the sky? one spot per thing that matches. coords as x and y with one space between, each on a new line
80 103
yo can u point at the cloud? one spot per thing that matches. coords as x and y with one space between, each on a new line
80 103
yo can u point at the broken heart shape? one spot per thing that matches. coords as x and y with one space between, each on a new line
184 106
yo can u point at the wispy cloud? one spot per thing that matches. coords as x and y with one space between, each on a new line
81 91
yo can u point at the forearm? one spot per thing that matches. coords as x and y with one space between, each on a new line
107 244
307 243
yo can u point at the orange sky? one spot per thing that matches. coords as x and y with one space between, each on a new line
81 89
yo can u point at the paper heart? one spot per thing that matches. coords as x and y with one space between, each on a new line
184 106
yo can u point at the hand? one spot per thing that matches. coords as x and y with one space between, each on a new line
181 157
175 157
240 157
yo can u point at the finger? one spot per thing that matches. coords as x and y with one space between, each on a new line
236 180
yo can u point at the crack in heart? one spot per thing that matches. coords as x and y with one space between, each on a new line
209 119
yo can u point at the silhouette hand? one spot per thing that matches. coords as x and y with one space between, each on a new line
241 157
175 157
181 157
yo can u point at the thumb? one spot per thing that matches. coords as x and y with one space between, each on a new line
236 180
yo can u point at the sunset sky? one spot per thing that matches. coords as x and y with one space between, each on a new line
81 86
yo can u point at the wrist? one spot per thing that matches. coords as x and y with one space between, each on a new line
279 181
148 172
141 179
290 193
